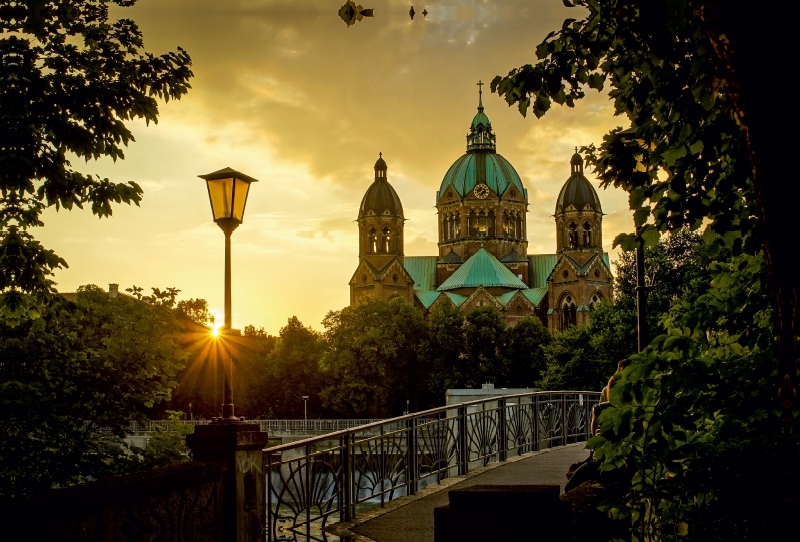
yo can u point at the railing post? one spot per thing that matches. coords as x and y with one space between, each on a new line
411 447
502 439
347 498
564 431
536 435
308 491
587 417
463 442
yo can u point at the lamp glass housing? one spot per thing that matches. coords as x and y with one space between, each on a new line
228 197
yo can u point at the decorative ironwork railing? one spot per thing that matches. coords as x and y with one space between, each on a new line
312 480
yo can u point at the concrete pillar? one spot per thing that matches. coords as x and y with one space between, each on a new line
241 444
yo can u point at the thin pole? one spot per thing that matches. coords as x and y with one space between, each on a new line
227 390
641 298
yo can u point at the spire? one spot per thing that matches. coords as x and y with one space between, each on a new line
380 168
480 136
576 163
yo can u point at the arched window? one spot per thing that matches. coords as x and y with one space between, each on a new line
372 241
573 235
569 312
596 298
386 236
508 228
491 225
481 225
587 234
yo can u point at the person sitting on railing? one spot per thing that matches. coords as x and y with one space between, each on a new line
587 469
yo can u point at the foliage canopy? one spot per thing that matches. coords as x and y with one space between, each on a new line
70 80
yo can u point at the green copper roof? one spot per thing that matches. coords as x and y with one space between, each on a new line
505 298
535 295
481 167
423 270
456 298
482 269
426 297
539 268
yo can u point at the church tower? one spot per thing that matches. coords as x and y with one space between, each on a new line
381 270
581 276
482 204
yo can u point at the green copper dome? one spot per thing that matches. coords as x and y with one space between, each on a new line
481 164
488 168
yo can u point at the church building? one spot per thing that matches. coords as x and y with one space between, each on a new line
483 255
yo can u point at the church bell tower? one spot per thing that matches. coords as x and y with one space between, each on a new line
381 270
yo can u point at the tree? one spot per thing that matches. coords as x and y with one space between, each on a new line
72 380
689 77
443 350
373 358
573 362
290 371
195 310
612 326
69 82
484 344
526 342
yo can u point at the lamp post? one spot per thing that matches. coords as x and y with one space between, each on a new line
641 287
227 192
305 412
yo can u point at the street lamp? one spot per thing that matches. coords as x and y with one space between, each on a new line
227 192
305 412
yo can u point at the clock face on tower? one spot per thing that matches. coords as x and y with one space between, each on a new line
481 191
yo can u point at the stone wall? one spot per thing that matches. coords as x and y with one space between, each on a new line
187 502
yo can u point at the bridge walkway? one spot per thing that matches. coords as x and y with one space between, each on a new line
410 518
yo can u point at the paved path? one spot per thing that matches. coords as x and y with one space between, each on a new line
410 519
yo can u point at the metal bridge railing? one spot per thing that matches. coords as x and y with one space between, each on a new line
273 426
310 481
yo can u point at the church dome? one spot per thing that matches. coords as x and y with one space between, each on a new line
578 191
490 169
481 164
380 198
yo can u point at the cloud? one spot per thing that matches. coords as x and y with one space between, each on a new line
285 92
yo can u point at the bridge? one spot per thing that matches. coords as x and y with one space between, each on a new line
363 482
378 481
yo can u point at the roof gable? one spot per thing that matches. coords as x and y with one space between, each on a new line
482 269
426 297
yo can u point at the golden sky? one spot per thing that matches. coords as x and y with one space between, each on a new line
285 92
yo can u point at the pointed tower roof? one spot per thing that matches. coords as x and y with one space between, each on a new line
380 198
482 269
480 137
578 191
